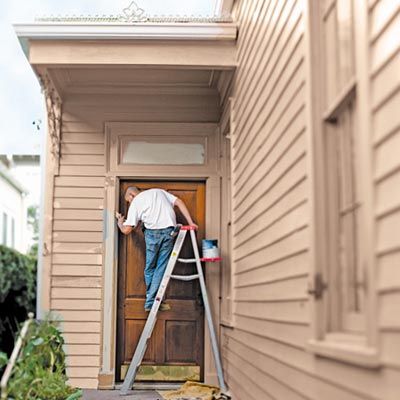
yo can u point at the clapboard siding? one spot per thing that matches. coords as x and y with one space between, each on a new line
305 384
312 377
78 245
290 200
284 311
294 121
293 243
74 181
92 361
76 282
79 203
269 193
81 247
74 293
294 265
77 327
73 236
82 159
265 354
80 192
262 380
76 270
385 106
79 214
388 277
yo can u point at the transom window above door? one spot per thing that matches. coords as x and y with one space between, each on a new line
143 148
159 150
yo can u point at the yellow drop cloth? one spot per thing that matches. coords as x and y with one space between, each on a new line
192 391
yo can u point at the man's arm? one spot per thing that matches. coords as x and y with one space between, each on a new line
182 207
125 229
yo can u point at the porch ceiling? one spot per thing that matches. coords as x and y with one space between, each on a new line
135 80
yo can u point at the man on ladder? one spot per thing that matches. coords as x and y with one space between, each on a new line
155 208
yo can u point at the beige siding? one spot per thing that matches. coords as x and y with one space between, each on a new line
77 249
76 285
385 105
265 354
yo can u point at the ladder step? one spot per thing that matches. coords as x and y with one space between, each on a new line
204 259
185 277
187 260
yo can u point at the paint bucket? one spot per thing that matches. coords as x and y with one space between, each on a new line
210 248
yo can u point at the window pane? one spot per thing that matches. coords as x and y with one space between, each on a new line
345 41
331 63
12 232
350 272
5 228
167 153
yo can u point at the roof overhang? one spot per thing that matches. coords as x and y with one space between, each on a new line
65 52
49 36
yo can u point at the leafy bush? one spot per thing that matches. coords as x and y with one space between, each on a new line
17 293
39 373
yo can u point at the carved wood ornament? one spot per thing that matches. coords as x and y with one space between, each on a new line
54 112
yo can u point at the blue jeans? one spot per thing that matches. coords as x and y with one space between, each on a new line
159 245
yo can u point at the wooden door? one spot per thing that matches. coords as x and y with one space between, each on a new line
175 350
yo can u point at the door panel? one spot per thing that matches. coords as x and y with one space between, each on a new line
177 338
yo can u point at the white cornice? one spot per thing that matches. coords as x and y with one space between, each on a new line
122 31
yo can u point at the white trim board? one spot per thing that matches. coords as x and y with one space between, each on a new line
113 31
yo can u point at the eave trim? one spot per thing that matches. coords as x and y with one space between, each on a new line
127 31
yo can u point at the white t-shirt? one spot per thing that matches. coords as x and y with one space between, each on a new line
154 207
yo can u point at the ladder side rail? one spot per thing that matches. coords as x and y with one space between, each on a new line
152 318
207 310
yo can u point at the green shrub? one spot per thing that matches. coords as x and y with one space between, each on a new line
39 373
17 293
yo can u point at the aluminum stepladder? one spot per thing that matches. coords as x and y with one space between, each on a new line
152 318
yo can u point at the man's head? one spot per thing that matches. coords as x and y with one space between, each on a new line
130 193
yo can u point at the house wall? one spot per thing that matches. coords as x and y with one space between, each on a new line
384 70
76 274
265 350
13 205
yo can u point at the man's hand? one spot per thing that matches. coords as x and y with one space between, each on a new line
120 218
126 230
195 225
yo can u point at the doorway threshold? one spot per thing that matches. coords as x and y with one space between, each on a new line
153 385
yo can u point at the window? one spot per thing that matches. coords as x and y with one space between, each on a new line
346 292
226 216
340 281
227 130
4 235
157 151
12 244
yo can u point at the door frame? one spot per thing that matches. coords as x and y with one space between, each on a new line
120 351
212 177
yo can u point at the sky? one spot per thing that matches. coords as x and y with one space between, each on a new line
21 101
